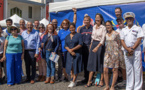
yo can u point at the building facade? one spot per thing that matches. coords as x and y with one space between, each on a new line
28 9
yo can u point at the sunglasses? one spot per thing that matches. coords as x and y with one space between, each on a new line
129 18
13 29
64 23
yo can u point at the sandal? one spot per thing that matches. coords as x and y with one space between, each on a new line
90 84
101 85
87 86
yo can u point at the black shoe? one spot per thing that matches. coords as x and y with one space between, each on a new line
58 80
120 79
4 79
1 81
65 80
84 81
27 80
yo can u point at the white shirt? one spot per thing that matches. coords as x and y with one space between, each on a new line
143 28
99 34
119 31
130 35
2 40
4 34
5 29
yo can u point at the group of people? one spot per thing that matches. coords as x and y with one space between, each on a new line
112 44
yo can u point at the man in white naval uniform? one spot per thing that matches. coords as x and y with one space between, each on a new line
131 37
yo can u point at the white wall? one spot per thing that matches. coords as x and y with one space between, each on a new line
36 1
43 1
36 10
59 0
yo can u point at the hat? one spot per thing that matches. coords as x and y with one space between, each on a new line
119 18
9 29
129 14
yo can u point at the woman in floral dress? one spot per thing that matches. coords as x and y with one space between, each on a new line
112 55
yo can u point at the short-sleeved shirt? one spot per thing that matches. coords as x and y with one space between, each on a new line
4 34
76 40
62 34
86 34
14 44
143 28
131 35
36 30
2 40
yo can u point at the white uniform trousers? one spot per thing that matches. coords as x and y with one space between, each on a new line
134 73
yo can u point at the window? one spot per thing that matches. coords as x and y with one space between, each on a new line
30 12
16 11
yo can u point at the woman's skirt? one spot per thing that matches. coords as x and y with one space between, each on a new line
95 60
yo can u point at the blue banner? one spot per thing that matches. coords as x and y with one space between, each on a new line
108 12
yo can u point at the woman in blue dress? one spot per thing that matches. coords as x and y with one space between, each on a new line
62 34
73 44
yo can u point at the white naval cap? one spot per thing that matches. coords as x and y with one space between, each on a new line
129 14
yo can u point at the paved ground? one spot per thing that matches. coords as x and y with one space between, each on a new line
42 86
56 86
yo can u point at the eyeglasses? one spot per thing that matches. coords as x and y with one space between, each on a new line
40 27
13 29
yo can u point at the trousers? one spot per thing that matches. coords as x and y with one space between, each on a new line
134 71
14 68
